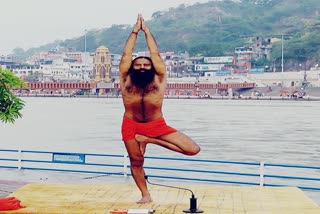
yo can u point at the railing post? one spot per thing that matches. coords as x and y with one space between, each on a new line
19 158
125 165
262 173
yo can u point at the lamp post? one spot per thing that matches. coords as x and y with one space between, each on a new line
282 53
282 82
85 53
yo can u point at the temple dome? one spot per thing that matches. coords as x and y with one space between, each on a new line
102 49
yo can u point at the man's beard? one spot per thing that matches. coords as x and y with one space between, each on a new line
142 79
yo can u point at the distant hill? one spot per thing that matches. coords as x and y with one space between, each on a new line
217 27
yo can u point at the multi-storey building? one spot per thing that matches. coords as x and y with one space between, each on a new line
242 59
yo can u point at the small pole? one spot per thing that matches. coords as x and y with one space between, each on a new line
262 173
125 165
19 159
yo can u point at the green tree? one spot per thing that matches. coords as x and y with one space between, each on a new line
10 105
18 51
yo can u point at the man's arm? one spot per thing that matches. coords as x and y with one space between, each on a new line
126 58
157 61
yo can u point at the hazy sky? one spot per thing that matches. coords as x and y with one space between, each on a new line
31 23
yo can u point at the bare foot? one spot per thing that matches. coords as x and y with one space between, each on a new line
143 140
145 200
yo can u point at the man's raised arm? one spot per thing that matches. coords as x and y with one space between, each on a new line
157 61
126 58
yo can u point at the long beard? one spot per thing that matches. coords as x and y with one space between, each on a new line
142 79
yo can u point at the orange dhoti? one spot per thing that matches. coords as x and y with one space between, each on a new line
154 128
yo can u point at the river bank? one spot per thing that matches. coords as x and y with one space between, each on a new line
211 97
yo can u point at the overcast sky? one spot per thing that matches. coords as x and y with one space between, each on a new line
31 23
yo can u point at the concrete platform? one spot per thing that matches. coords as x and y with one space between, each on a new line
102 198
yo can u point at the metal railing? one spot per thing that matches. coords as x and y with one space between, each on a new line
186 169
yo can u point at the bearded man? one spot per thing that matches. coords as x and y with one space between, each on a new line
143 83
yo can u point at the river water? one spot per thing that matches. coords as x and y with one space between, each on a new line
240 130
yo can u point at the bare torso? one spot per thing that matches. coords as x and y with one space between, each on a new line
143 105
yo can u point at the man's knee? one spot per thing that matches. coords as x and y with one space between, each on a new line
136 161
194 150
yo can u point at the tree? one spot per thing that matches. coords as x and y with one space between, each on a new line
10 105
18 51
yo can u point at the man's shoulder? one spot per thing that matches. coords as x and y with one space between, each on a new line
162 78
123 78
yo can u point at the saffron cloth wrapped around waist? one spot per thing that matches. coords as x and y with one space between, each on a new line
154 128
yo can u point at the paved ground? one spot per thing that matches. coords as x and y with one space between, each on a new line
102 198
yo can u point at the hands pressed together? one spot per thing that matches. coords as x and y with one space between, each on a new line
140 25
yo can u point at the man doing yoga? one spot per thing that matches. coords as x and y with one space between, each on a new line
143 83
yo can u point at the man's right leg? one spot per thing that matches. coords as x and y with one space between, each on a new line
138 174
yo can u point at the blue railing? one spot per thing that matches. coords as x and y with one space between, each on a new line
200 170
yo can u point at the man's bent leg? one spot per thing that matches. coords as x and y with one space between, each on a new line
138 174
176 141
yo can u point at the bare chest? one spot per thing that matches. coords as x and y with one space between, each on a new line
148 90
